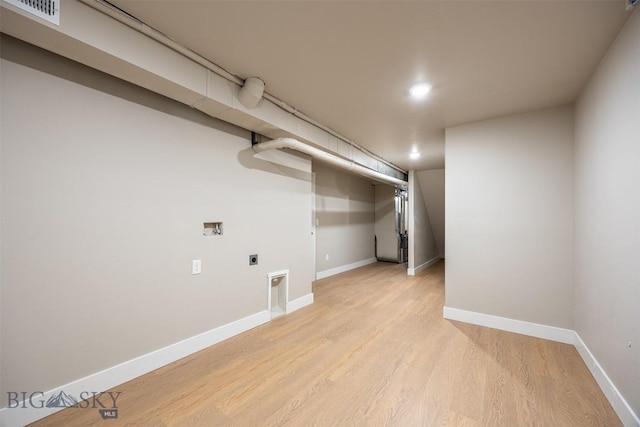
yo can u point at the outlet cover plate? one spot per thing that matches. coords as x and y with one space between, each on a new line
196 266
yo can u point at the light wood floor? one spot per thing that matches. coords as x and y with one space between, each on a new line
373 350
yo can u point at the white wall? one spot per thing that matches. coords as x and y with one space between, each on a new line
344 212
432 185
607 200
509 217
423 249
105 187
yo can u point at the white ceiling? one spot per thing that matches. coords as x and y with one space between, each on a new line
349 64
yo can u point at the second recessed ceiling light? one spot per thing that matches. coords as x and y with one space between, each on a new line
420 90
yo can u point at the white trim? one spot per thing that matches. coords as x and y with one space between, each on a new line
421 267
126 371
567 336
552 333
343 268
298 303
270 276
620 405
119 374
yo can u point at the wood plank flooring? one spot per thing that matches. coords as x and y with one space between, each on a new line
373 350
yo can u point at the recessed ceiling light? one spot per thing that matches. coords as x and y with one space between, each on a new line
414 155
420 90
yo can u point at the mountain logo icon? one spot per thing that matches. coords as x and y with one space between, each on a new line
61 400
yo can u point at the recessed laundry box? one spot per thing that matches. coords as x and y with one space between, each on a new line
278 292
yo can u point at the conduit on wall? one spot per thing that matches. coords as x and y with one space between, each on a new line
108 9
326 157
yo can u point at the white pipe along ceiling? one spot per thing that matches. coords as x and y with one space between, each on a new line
327 157
176 72
115 13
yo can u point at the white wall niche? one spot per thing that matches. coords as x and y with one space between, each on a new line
278 293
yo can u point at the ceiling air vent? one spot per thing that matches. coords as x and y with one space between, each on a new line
49 10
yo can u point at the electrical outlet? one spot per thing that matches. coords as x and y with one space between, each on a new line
196 266
326 257
253 259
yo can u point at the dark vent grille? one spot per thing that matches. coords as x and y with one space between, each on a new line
45 9
45 6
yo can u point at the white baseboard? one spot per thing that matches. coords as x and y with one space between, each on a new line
119 374
343 268
567 336
620 405
552 333
421 267
298 303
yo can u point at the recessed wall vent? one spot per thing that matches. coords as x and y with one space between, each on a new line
278 293
49 10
